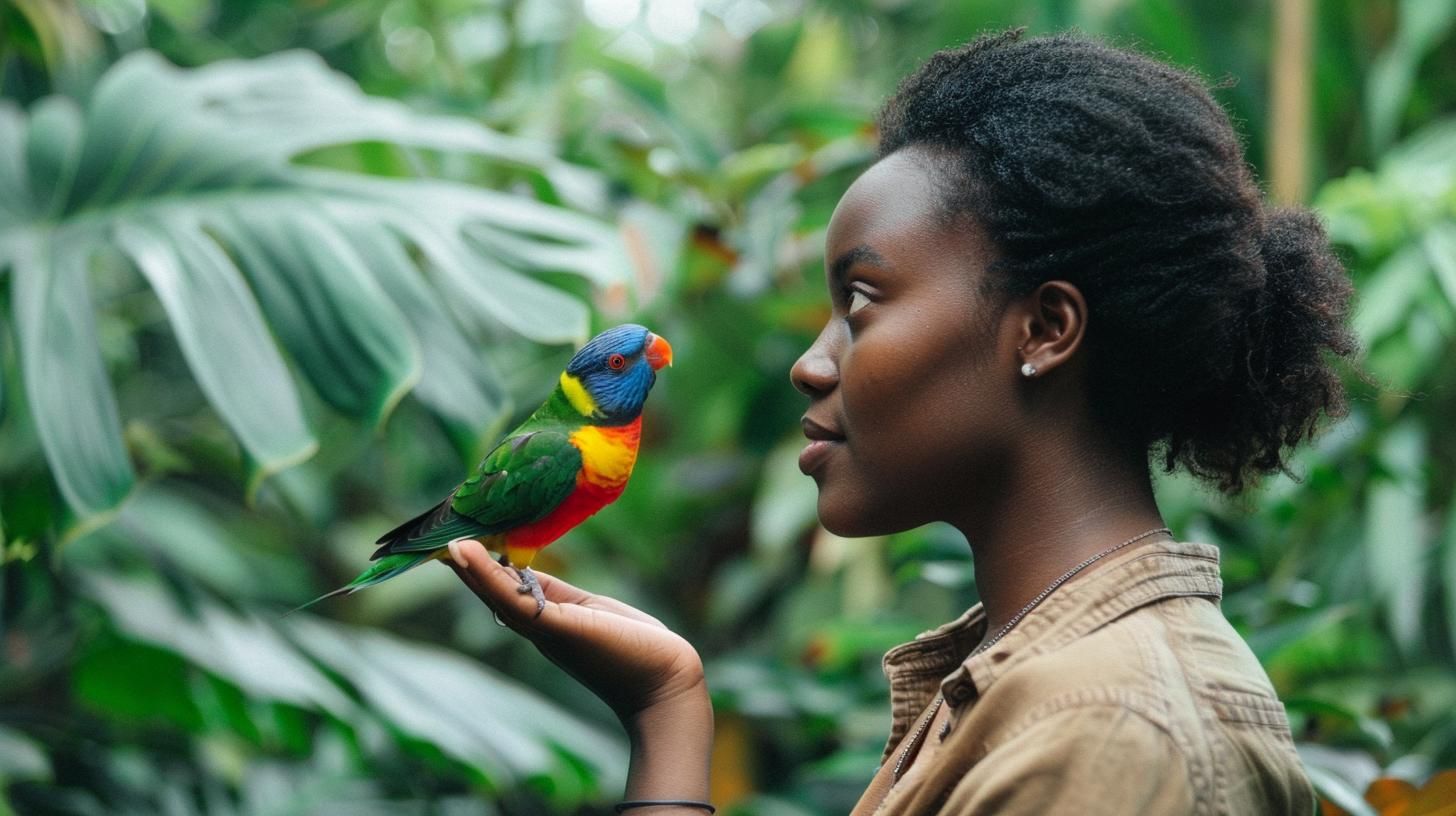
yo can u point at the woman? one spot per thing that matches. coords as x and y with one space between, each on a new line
1059 267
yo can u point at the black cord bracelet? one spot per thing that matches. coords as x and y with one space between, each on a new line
623 807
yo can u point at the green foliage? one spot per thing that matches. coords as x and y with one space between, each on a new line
214 270
188 177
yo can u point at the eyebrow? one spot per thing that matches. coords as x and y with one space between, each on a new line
859 254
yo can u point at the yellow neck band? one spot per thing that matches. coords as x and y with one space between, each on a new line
578 397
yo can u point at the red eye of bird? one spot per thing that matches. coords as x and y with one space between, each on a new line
616 362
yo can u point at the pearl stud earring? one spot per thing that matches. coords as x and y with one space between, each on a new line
1028 370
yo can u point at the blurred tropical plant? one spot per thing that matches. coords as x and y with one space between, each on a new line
189 177
277 214
720 134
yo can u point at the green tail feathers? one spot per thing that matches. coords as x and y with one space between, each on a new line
378 572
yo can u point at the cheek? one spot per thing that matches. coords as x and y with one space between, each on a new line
899 393
926 423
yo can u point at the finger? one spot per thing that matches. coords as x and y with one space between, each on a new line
562 592
569 610
498 587
469 579
605 603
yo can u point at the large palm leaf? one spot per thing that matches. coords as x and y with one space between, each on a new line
189 176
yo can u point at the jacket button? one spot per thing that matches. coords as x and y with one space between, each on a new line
958 691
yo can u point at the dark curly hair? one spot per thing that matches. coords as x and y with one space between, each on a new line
1212 318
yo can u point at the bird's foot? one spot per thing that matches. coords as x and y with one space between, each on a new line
530 586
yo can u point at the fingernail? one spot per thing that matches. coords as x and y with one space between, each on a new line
456 555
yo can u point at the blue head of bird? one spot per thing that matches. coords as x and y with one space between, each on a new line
615 371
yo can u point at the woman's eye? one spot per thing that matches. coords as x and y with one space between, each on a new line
857 300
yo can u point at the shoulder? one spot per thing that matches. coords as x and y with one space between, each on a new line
1174 659
1095 757
1168 689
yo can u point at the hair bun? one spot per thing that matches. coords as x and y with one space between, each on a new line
1277 379
1298 319
1306 296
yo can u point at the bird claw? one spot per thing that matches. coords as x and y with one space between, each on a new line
530 586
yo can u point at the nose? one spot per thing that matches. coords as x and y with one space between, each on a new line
816 372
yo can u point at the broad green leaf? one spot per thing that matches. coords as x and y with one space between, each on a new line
1424 165
535 310
647 94
1268 641
1391 292
161 524
1422 24
114 16
785 505
241 649
1344 715
70 398
821 55
456 381
1363 211
194 172
1387 88
1440 245
53 150
1340 775
746 169
21 757
465 709
137 144
221 333
1340 792
189 15
14 188
562 240
323 107
330 314
1395 548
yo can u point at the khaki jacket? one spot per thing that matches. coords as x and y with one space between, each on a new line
1125 692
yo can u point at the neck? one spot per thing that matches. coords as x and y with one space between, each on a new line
558 407
561 407
1059 505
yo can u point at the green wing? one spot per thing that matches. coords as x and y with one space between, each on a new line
522 480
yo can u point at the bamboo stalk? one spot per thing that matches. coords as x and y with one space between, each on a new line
1289 101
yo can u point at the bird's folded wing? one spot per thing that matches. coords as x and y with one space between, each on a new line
521 481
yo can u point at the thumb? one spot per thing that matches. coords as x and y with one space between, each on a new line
498 587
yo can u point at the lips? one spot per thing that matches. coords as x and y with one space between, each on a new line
823 441
819 431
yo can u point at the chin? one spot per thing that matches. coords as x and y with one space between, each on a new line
848 519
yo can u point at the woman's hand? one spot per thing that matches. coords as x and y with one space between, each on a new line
649 675
622 655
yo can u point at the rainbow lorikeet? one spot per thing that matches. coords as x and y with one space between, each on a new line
566 461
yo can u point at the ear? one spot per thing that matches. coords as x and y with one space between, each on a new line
1052 326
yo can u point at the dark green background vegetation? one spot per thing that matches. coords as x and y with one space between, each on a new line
272 274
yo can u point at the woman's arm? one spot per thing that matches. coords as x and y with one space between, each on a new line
649 675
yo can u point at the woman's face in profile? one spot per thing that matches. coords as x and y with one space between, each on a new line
912 385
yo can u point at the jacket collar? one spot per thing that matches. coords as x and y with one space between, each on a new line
1145 574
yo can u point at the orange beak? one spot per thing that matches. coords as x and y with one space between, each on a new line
659 353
